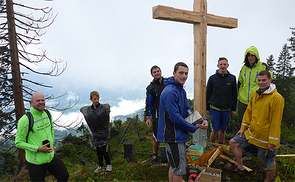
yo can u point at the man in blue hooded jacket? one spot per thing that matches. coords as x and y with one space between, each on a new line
173 129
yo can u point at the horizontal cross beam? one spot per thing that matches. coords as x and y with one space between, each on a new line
193 17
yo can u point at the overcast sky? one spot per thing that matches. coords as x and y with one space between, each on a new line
111 44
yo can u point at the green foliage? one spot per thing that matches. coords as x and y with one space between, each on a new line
117 122
287 133
6 94
70 153
123 170
271 63
8 163
75 147
83 129
286 169
191 103
121 175
285 83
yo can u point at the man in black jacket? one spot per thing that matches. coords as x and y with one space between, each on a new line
221 99
153 93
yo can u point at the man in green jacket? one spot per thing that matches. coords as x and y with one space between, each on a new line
39 143
247 84
247 81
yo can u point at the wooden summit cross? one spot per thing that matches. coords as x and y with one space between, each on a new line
200 19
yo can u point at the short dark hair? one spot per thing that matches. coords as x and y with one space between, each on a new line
222 58
154 67
179 64
265 72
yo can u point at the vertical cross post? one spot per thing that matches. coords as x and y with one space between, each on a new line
200 19
200 35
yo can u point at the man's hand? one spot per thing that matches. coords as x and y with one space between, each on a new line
232 113
148 121
45 149
240 132
203 126
271 147
208 112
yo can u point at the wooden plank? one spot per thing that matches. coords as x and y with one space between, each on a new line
224 147
200 59
194 152
214 156
203 159
193 17
286 155
233 161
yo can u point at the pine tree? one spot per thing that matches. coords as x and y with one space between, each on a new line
285 83
292 43
271 64
284 67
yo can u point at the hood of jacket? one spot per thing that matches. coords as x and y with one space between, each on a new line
270 89
254 51
171 80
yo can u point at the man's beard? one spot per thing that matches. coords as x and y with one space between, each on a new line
157 79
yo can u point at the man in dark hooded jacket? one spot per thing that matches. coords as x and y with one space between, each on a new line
153 93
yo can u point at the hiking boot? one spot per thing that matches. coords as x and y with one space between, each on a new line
235 169
99 168
154 158
109 168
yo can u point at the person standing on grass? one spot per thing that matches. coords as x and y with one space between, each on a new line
39 142
153 93
221 100
173 129
247 84
97 117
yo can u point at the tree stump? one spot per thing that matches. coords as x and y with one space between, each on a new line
130 152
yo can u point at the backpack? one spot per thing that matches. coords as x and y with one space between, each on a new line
31 121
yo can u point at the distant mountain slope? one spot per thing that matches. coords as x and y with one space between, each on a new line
123 118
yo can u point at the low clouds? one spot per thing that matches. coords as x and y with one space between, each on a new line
126 107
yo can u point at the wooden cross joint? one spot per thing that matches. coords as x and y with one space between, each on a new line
193 17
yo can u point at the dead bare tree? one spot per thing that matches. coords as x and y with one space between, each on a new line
19 32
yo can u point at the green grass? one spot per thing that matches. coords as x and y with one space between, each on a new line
123 171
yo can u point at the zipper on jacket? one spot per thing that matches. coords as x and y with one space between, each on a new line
256 76
249 84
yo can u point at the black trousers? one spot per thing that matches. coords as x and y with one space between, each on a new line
102 152
56 167
241 110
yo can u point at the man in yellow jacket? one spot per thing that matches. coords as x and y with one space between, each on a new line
261 125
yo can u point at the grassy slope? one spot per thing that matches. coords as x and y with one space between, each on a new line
125 171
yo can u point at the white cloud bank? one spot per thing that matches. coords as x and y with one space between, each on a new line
124 107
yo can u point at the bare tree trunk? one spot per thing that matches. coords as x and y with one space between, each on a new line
16 78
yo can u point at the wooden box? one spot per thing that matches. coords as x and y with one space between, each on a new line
210 174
